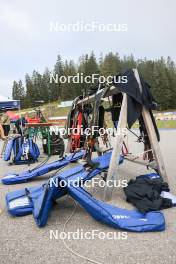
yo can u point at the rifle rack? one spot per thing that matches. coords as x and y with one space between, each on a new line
158 162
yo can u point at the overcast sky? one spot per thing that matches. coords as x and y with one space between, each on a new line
26 42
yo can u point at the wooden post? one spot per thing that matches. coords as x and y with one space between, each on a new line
152 135
117 150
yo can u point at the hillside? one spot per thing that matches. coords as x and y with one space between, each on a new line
52 110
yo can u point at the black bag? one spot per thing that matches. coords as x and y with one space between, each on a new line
57 146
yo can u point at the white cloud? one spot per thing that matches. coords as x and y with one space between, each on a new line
27 43
15 20
6 86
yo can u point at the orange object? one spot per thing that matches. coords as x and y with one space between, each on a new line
33 120
76 137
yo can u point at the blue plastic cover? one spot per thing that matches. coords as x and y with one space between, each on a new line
75 173
8 149
14 178
130 220
43 197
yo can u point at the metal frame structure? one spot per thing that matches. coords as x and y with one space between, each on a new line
157 164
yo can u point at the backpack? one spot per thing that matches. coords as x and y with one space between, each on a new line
57 146
24 150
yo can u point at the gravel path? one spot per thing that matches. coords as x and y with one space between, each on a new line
21 241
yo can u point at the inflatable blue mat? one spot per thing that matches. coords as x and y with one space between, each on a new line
41 200
13 178
130 220
34 194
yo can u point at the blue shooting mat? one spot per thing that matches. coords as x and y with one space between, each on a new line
14 178
42 199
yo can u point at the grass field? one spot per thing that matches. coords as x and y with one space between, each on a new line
54 111
162 124
166 123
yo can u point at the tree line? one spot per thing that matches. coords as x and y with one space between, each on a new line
159 73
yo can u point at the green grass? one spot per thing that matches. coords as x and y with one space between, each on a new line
53 110
162 124
63 111
49 110
166 123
